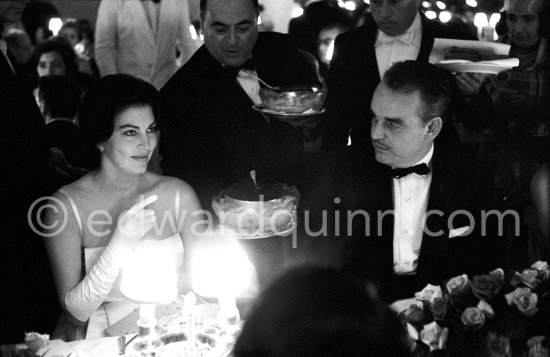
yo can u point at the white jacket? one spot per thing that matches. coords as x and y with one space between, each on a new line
125 42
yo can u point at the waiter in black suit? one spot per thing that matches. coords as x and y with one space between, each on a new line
211 135
28 300
419 197
396 31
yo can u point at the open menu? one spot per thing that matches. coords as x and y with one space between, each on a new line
479 56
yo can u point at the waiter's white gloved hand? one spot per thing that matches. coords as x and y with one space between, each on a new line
89 294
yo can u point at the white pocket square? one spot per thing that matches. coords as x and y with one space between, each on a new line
458 231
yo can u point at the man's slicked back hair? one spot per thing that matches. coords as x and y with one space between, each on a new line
203 6
432 83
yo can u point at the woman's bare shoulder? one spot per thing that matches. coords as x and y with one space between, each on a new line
169 184
81 187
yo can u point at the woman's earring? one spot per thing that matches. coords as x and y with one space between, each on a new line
100 148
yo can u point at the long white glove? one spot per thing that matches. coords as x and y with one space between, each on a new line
89 294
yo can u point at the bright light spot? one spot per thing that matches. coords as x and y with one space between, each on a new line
367 2
297 12
201 37
480 20
341 3
330 51
431 14
495 18
471 3
426 4
55 25
220 266
149 276
350 5
441 5
445 16
79 48
259 20
193 31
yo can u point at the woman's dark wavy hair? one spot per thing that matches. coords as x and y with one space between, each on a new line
318 311
107 98
432 83
54 44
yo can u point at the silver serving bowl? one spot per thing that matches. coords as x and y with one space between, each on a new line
293 100
271 214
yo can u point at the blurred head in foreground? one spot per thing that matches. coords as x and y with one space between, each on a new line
313 311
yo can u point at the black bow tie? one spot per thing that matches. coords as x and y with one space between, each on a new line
234 70
421 169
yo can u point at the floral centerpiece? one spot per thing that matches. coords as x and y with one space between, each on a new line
496 315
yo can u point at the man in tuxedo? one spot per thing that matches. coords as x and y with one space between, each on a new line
419 195
211 135
395 31
28 301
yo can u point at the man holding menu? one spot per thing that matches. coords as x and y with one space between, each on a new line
395 31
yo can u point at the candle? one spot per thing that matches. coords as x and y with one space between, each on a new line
189 302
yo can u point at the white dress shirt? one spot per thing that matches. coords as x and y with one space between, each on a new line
248 80
398 48
410 199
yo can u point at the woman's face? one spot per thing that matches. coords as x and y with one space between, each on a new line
51 63
133 141
326 39
523 29
70 35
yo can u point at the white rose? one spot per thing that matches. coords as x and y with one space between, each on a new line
458 285
434 336
498 273
486 309
543 269
525 301
412 331
429 293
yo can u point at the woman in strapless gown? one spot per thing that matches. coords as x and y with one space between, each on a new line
119 215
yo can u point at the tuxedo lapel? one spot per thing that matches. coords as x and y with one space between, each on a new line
427 42
435 241
6 70
167 19
370 53
142 18
382 221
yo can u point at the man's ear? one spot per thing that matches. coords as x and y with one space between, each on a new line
434 127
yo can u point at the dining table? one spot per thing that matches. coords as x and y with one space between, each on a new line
113 320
